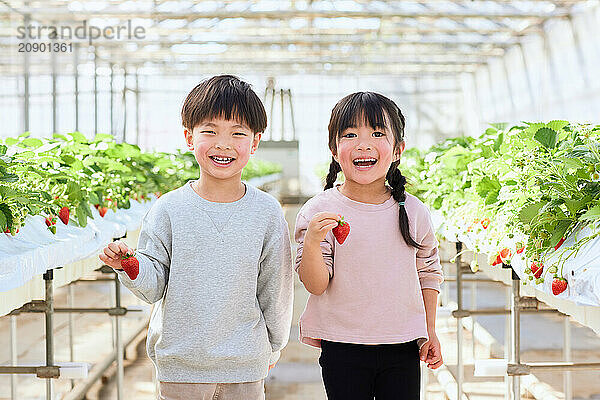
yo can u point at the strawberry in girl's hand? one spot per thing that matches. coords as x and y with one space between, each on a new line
51 223
131 266
63 214
559 285
341 231
102 211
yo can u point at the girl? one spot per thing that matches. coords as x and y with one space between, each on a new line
373 297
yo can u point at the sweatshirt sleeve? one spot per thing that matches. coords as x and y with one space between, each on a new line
326 245
275 286
428 261
154 256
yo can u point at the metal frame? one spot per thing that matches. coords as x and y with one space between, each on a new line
518 305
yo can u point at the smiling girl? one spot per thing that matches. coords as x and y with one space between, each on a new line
373 298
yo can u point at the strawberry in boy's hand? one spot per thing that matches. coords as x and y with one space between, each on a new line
131 266
341 231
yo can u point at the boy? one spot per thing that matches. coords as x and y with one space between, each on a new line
215 257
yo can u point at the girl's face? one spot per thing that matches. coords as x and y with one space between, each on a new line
222 147
365 153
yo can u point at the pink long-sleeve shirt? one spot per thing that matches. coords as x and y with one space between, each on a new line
374 294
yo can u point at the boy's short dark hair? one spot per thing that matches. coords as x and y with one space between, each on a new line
227 97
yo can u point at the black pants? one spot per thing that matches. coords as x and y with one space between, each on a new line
363 372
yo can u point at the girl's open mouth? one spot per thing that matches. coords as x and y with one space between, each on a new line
363 164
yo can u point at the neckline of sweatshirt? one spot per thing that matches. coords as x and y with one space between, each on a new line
369 207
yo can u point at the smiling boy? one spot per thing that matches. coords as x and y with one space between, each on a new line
215 257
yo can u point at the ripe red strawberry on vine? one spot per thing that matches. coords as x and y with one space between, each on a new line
51 223
559 285
537 269
63 214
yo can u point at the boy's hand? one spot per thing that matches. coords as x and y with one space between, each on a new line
319 225
114 253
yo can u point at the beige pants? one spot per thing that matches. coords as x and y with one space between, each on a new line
212 391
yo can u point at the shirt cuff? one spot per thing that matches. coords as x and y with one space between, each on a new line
430 283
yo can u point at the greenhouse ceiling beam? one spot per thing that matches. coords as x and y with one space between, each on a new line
58 14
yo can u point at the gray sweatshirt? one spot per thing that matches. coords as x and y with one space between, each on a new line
221 277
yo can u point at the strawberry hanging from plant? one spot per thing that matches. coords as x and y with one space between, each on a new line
559 285
63 214
51 223
341 231
130 265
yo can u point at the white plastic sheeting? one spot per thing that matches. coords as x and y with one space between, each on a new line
35 249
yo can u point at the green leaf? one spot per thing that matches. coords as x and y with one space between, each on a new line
78 137
32 142
59 136
547 137
81 215
9 178
3 149
498 141
11 141
557 125
529 211
500 125
68 159
559 231
591 214
7 216
488 184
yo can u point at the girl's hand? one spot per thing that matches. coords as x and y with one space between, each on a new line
431 352
113 254
319 225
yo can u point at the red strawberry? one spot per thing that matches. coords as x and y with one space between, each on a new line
505 255
131 266
497 261
520 247
559 285
536 269
485 223
341 231
51 223
559 244
63 214
97 206
102 211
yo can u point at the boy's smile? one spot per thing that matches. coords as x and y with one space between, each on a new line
222 147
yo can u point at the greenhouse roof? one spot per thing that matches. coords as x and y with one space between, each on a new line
438 37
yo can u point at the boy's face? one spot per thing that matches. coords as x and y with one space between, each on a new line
222 147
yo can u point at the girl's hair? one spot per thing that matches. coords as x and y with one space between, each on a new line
377 111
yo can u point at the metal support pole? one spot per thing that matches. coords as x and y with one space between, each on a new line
123 136
53 61
582 62
459 330
76 77
112 94
528 78
282 115
289 92
516 332
119 340
474 308
507 341
271 112
95 92
567 377
513 107
13 355
26 22
554 76
70 304
137 109
49 314
492 97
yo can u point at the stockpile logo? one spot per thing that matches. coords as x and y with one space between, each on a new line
60 38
